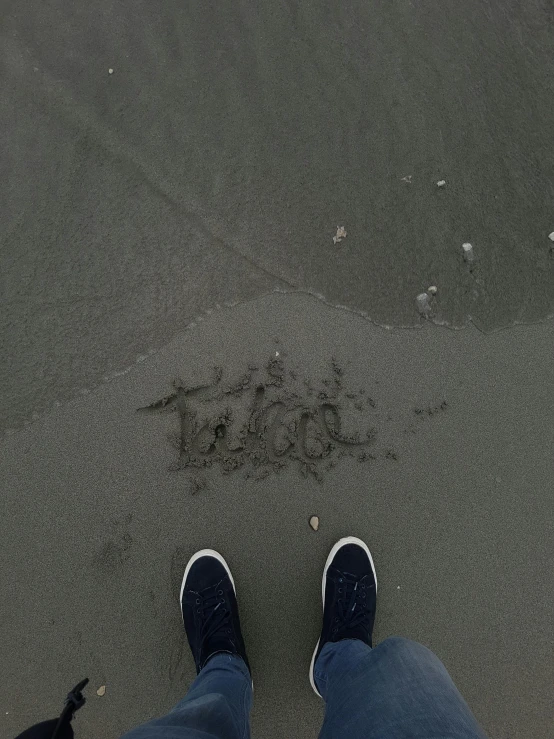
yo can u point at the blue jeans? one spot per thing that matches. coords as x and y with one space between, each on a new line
398 690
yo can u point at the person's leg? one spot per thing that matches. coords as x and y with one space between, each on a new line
217 706
398 690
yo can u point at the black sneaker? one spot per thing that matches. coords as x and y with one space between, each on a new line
349 592
209 607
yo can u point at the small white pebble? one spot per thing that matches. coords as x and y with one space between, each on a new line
276 354
441 183
423 305
398 587
432 290
340 235
110 71
551 236
314 523
469 256
101 691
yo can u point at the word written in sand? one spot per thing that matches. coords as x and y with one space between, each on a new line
267 419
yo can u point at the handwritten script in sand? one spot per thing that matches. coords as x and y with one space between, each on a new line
267 419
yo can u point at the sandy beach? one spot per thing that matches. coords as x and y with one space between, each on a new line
216 221
444 467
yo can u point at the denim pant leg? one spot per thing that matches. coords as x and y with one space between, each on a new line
217 706
398 690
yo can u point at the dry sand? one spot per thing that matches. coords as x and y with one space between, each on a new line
452 491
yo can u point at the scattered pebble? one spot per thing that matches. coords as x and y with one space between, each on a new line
408 178
101 691
432 290
551 236
110 71
314 522
398 587
469 256
423 304
441 183
340 235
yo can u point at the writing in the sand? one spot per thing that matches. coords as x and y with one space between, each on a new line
266 418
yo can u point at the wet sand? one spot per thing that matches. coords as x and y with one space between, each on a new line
217 160
451 489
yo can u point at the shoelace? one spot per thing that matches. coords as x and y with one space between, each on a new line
210 605
353 610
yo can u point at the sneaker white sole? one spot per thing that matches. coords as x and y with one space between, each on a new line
341 543
193 559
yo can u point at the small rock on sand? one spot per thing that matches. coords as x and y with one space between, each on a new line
469 256
340 235
551 236
441 183
101 691
423 304
314 522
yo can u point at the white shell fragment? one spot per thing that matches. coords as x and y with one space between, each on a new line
340 235
551 236
314 522
110 71
101 691
441 183
432 290
423 304
469 256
